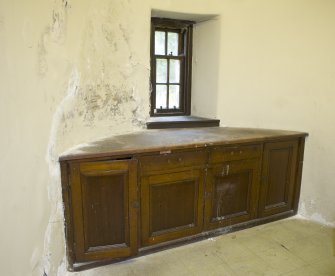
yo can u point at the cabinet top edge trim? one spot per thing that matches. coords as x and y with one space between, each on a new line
151 141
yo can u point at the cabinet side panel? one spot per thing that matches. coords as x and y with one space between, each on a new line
300 163
66 193
279 171
278 177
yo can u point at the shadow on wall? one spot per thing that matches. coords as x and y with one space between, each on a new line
206 67
205 59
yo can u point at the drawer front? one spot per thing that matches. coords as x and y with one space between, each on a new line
169 161
231 153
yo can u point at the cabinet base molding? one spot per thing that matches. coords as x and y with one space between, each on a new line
184 241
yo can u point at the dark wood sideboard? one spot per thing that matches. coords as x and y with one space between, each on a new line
132 194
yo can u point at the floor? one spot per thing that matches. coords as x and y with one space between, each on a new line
290 247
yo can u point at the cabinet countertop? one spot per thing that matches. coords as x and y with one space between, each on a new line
172 139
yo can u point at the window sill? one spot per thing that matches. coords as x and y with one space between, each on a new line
181 122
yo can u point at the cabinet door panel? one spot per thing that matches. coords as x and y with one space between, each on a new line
105 221
231 193
172 206
105 203
178 198
278 180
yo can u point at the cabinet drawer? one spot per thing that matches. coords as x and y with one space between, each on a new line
172 160
223 154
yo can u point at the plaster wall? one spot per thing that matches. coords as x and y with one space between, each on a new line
205 67
73 71
277 71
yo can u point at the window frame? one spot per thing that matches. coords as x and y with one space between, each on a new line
185 29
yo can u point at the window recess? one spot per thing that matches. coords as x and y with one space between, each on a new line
171 66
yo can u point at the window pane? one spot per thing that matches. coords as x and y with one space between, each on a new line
159 43
161 93
174 96
161 70
174 76
172 44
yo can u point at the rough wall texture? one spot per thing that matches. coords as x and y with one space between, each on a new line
105 93
72 71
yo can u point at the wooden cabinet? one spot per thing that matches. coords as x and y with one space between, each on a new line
103 209
279 174
135 193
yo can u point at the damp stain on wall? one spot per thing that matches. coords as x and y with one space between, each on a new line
53 33
104 95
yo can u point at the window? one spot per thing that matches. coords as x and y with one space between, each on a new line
171 66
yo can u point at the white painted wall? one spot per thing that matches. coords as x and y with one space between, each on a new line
278 71
76 70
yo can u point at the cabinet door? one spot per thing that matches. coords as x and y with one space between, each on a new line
231 193
103 199
171 206
278 177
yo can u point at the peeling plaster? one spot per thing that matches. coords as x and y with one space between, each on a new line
101 102
103 97
35 259
54 188
53 33
59 21
304 206
42 65
58 117
62 268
